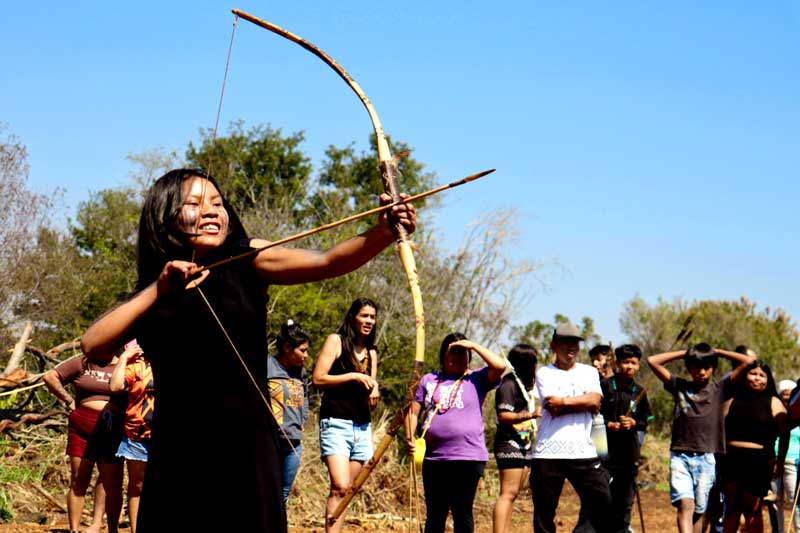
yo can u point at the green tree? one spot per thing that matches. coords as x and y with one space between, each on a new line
105 233
24 213
354 180
255 168
268 179
724 323
71 278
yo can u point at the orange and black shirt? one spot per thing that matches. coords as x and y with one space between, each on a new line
139 413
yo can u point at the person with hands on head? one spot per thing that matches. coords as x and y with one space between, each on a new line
347 371
91 436
570 394
204 332
697 428
135 375
451 401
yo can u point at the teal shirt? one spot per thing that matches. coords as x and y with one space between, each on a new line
793 454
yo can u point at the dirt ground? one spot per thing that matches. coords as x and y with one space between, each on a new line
658 514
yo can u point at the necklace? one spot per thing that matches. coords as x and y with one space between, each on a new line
439 409
451 398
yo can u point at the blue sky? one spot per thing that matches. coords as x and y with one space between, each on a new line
650 148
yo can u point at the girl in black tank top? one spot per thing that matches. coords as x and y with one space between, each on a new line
755 419
346 371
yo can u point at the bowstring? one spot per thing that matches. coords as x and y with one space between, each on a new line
216 125
266 402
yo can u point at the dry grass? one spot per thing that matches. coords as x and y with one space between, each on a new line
33 466
33 473
654 468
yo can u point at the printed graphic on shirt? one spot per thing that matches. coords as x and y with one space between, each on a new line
276 395
685 402
294 397
443 397
97 375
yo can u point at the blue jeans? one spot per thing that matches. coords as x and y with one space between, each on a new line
290 463
691 476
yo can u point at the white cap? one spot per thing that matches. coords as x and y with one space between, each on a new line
786 384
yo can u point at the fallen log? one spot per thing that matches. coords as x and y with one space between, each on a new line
15 419
19 350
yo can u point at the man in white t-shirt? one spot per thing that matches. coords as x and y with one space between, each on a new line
570 394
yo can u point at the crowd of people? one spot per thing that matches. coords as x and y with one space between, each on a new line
208 368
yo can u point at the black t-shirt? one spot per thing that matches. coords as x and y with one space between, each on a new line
511 439
698 424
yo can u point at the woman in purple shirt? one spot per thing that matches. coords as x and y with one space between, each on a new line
450 401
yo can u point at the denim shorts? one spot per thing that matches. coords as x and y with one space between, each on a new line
691 476
133 450
345 438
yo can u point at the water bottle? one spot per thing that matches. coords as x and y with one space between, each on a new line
598 436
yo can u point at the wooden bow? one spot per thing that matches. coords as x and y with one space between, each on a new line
390 174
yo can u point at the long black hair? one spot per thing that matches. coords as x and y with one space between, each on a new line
347 332
160 239
742 388
523 359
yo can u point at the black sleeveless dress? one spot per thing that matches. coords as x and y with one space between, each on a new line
214 442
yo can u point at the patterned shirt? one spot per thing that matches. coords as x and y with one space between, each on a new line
139 413
288 389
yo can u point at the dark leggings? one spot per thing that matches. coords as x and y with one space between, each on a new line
450 486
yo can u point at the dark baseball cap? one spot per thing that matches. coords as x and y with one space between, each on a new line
567 330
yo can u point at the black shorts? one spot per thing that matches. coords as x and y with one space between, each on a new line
750 470
511 454
510 464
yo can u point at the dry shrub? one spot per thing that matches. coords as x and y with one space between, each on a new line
383 504
654 467
33 472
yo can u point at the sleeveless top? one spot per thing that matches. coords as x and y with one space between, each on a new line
750 420
212 431
349 401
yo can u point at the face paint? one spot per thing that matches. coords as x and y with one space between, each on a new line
202 217
187 219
